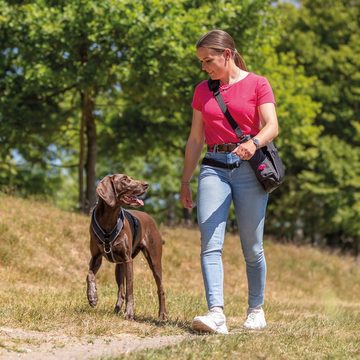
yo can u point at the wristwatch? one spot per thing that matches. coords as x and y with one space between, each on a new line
256 142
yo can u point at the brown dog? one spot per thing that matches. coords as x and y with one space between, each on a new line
119 235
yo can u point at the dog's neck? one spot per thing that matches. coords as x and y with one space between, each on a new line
107 216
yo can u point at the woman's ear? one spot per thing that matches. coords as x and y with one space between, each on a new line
227 54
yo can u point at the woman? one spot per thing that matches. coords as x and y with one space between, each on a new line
250 101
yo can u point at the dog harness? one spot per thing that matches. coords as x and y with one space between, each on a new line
107 238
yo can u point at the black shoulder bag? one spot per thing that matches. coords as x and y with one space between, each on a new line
266 162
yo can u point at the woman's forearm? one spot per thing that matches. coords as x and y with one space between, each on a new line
267 134
270 128
192 155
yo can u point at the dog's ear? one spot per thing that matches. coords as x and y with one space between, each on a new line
105 190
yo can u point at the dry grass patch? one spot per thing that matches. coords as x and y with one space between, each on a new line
312 297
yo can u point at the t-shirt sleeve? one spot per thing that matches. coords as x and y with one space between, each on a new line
264 92
196 101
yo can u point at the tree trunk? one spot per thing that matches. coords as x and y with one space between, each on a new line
82 157
87 108
90 166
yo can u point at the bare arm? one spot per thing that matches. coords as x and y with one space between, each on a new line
269 131
269 124
193 150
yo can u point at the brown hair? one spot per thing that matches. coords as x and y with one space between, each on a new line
219 40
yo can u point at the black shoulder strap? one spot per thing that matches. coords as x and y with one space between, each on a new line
134 223
214 87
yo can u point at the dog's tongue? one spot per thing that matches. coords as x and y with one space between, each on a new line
139 202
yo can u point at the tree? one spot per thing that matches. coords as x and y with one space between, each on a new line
323 37
57 51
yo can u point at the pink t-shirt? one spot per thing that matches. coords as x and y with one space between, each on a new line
241 98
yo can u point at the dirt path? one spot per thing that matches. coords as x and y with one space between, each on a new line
20 344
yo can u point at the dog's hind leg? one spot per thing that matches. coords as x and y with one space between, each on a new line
153 256
94 266
119 275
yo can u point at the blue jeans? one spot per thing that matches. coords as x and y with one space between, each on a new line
217 187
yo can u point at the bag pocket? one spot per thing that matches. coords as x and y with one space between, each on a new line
268 167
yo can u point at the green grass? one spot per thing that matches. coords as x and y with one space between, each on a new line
312 297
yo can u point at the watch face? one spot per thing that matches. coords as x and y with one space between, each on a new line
256 142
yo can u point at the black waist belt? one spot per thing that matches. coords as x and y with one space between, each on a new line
215 163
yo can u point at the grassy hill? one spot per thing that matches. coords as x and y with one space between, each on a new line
312 297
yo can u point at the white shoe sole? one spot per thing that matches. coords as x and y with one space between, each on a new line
200 326
254 328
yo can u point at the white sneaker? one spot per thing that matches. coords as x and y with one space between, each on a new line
212 322
255 319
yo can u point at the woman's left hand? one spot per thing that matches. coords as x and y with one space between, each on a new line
246 150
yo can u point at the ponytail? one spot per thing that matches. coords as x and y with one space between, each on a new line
239 61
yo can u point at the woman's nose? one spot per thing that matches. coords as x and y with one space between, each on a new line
203 66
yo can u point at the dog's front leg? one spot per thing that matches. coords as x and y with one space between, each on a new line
94 266
129 313
119 275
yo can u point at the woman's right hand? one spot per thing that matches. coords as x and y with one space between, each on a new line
186 196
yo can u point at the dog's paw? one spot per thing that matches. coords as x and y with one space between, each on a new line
92 298
163 317
129 315
92 293
92 301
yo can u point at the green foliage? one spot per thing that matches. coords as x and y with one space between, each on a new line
323 38
136 61
333 187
